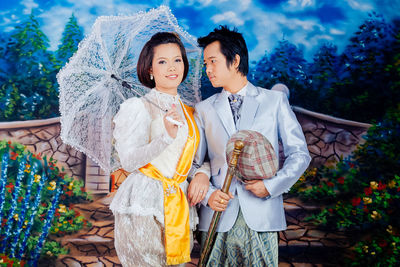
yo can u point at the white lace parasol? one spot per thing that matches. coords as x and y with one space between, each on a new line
90 97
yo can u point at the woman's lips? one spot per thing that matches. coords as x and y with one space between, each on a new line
172 77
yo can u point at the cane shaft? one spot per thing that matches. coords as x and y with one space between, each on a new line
217 214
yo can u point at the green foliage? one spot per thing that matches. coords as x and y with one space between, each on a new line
51 250
65 220
362 194
71 37
28 88
352 85
285 65
28 85
364 81
381 250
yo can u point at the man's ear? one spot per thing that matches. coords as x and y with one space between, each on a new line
236 62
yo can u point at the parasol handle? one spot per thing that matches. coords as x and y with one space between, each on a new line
217 214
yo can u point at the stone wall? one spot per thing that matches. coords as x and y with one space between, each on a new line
43 136
328 138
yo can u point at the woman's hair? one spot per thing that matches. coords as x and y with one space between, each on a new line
144 63
231 44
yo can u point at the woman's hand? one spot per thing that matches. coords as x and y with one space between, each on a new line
172 128
218 200
198 188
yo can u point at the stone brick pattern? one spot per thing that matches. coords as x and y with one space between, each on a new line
97 181
329 138
43 136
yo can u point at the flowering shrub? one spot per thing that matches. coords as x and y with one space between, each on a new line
10 262
35 199
362 194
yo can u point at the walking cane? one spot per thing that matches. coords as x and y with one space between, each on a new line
217 214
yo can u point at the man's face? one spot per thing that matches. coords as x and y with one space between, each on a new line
217 71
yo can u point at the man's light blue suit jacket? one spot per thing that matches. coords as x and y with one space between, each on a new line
269 113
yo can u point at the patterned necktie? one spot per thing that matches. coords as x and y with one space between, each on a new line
235 101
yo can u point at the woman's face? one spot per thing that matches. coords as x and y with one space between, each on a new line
167 67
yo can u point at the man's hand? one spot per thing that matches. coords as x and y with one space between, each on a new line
218 200
198 188
257 187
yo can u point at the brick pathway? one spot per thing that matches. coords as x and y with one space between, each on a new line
301 245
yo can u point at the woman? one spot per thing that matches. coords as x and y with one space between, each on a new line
153 221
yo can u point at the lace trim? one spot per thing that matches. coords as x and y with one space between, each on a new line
159 215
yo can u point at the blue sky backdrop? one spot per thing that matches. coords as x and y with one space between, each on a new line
306 23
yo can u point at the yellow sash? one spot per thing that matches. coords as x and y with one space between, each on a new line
176 208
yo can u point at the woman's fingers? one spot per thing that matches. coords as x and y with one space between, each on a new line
197 195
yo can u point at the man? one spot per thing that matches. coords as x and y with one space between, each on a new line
253 212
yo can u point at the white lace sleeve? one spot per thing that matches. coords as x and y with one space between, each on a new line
205 168
132 136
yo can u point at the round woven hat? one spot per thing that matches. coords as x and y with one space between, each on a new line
257 160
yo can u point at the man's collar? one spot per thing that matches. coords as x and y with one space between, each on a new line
241 92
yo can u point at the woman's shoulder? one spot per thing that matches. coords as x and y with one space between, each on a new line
132 107
131 102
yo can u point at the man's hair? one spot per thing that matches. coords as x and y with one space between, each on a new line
144 63
231 43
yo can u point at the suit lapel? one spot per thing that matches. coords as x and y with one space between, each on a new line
224 112
249 108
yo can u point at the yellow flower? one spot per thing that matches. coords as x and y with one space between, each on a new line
16 216
65 222
1 260
62 208
71 184
373 253
52 186
365 248
26 222
56 230
27 168
49 253
375 215
389 229
374 185
392 184
367 200
313 172
37 178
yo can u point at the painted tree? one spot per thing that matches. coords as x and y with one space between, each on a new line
71 37
258 74
206 88
286 65
4 41
323 76
365 79
30 90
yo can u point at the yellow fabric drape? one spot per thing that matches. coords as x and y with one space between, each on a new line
176 208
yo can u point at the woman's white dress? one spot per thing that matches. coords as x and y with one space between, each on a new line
140 138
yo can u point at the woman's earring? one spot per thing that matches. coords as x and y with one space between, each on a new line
151 76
